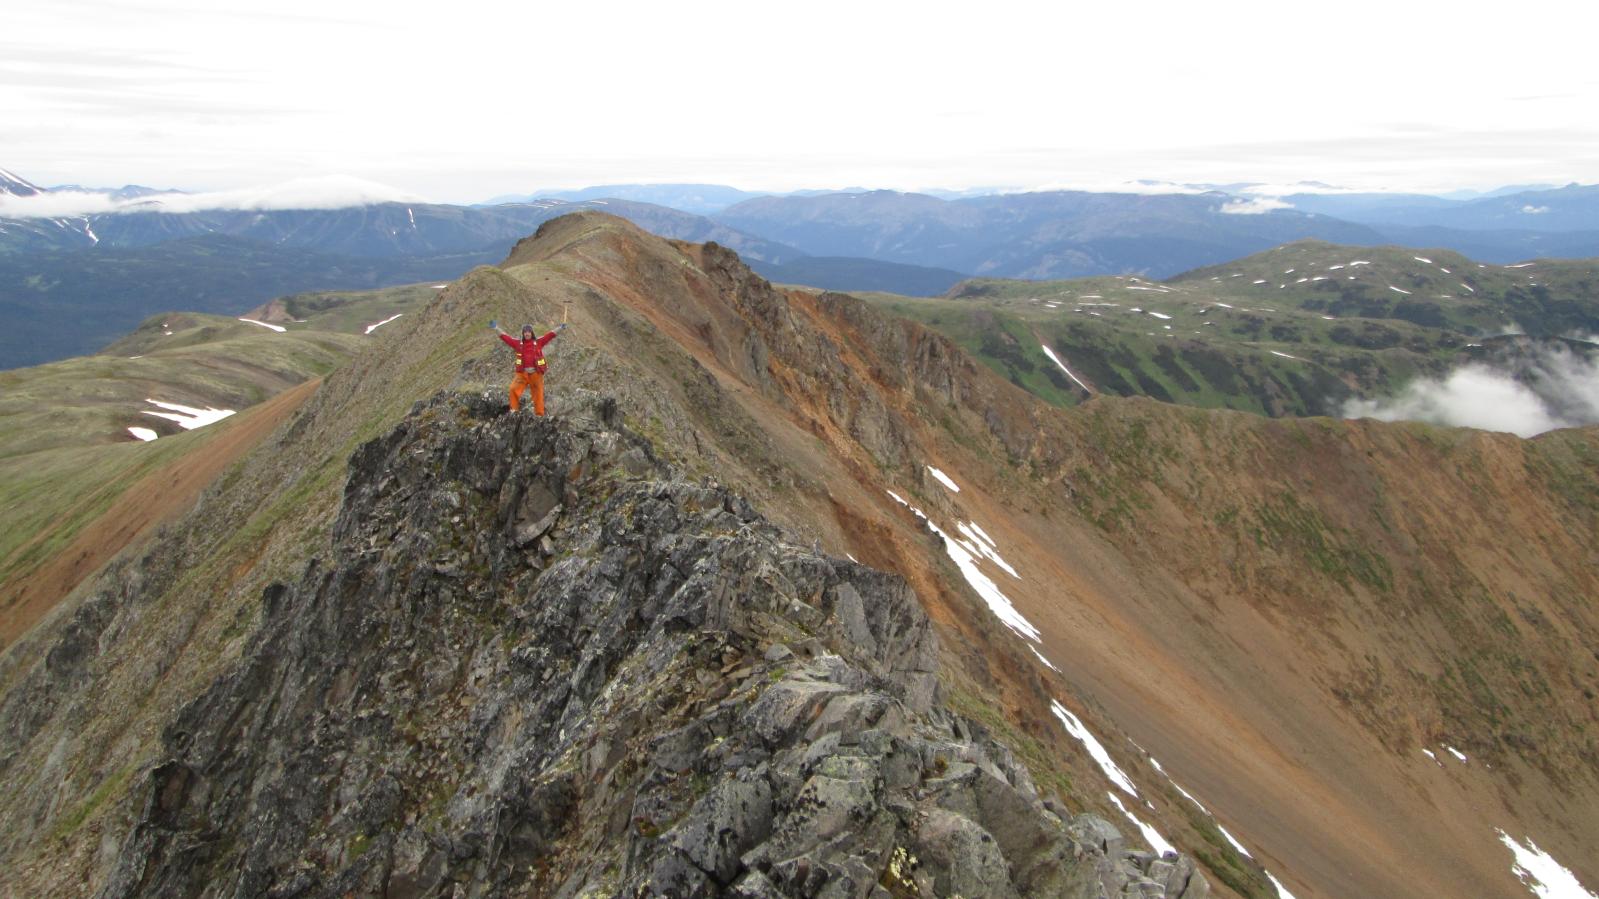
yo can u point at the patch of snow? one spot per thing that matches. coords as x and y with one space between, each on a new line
1056 359
1224 305
1334 268
1428 753
1444 270
944 479
1422 259
278 328
1160 315
1228 836
1468 287
1151 835
1360 262
977 546
1301 280
374 327
982 534
1289 272
966 560
1286 356
142 433
1329 318
90 231
1540 873
1282 891
1520 265
852 558
412 216
1094 296
440 286
1155 289
1261 281
1080 732
1456 753
187 417
1393 288
1047 663
1189 796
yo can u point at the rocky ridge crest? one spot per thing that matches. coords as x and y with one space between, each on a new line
536 660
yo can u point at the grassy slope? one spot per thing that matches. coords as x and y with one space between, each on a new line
1347 331
349 311
66 454
262 518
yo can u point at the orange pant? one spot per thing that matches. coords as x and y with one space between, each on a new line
527 380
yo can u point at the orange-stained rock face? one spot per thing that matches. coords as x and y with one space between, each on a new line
1284 612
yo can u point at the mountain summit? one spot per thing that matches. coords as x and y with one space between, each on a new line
17 187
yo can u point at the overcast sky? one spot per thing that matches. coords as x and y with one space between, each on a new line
464 100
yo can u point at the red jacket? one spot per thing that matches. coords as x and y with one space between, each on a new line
529 353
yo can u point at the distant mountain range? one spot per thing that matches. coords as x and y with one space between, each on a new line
701 199
905 243
383 230
70 285
1037 235
1566 209
1078 234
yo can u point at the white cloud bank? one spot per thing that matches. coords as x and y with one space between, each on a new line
329 192
1561 391
1100 186
1257 206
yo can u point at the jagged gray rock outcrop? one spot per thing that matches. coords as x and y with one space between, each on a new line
537 662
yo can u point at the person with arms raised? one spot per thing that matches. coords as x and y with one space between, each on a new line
530 364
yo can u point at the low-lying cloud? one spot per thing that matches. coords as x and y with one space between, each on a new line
1256 206
1559 390
331 192
1150 188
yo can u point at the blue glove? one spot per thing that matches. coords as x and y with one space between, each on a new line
560 327
494 323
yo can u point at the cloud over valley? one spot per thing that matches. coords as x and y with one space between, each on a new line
330 192
1558 389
